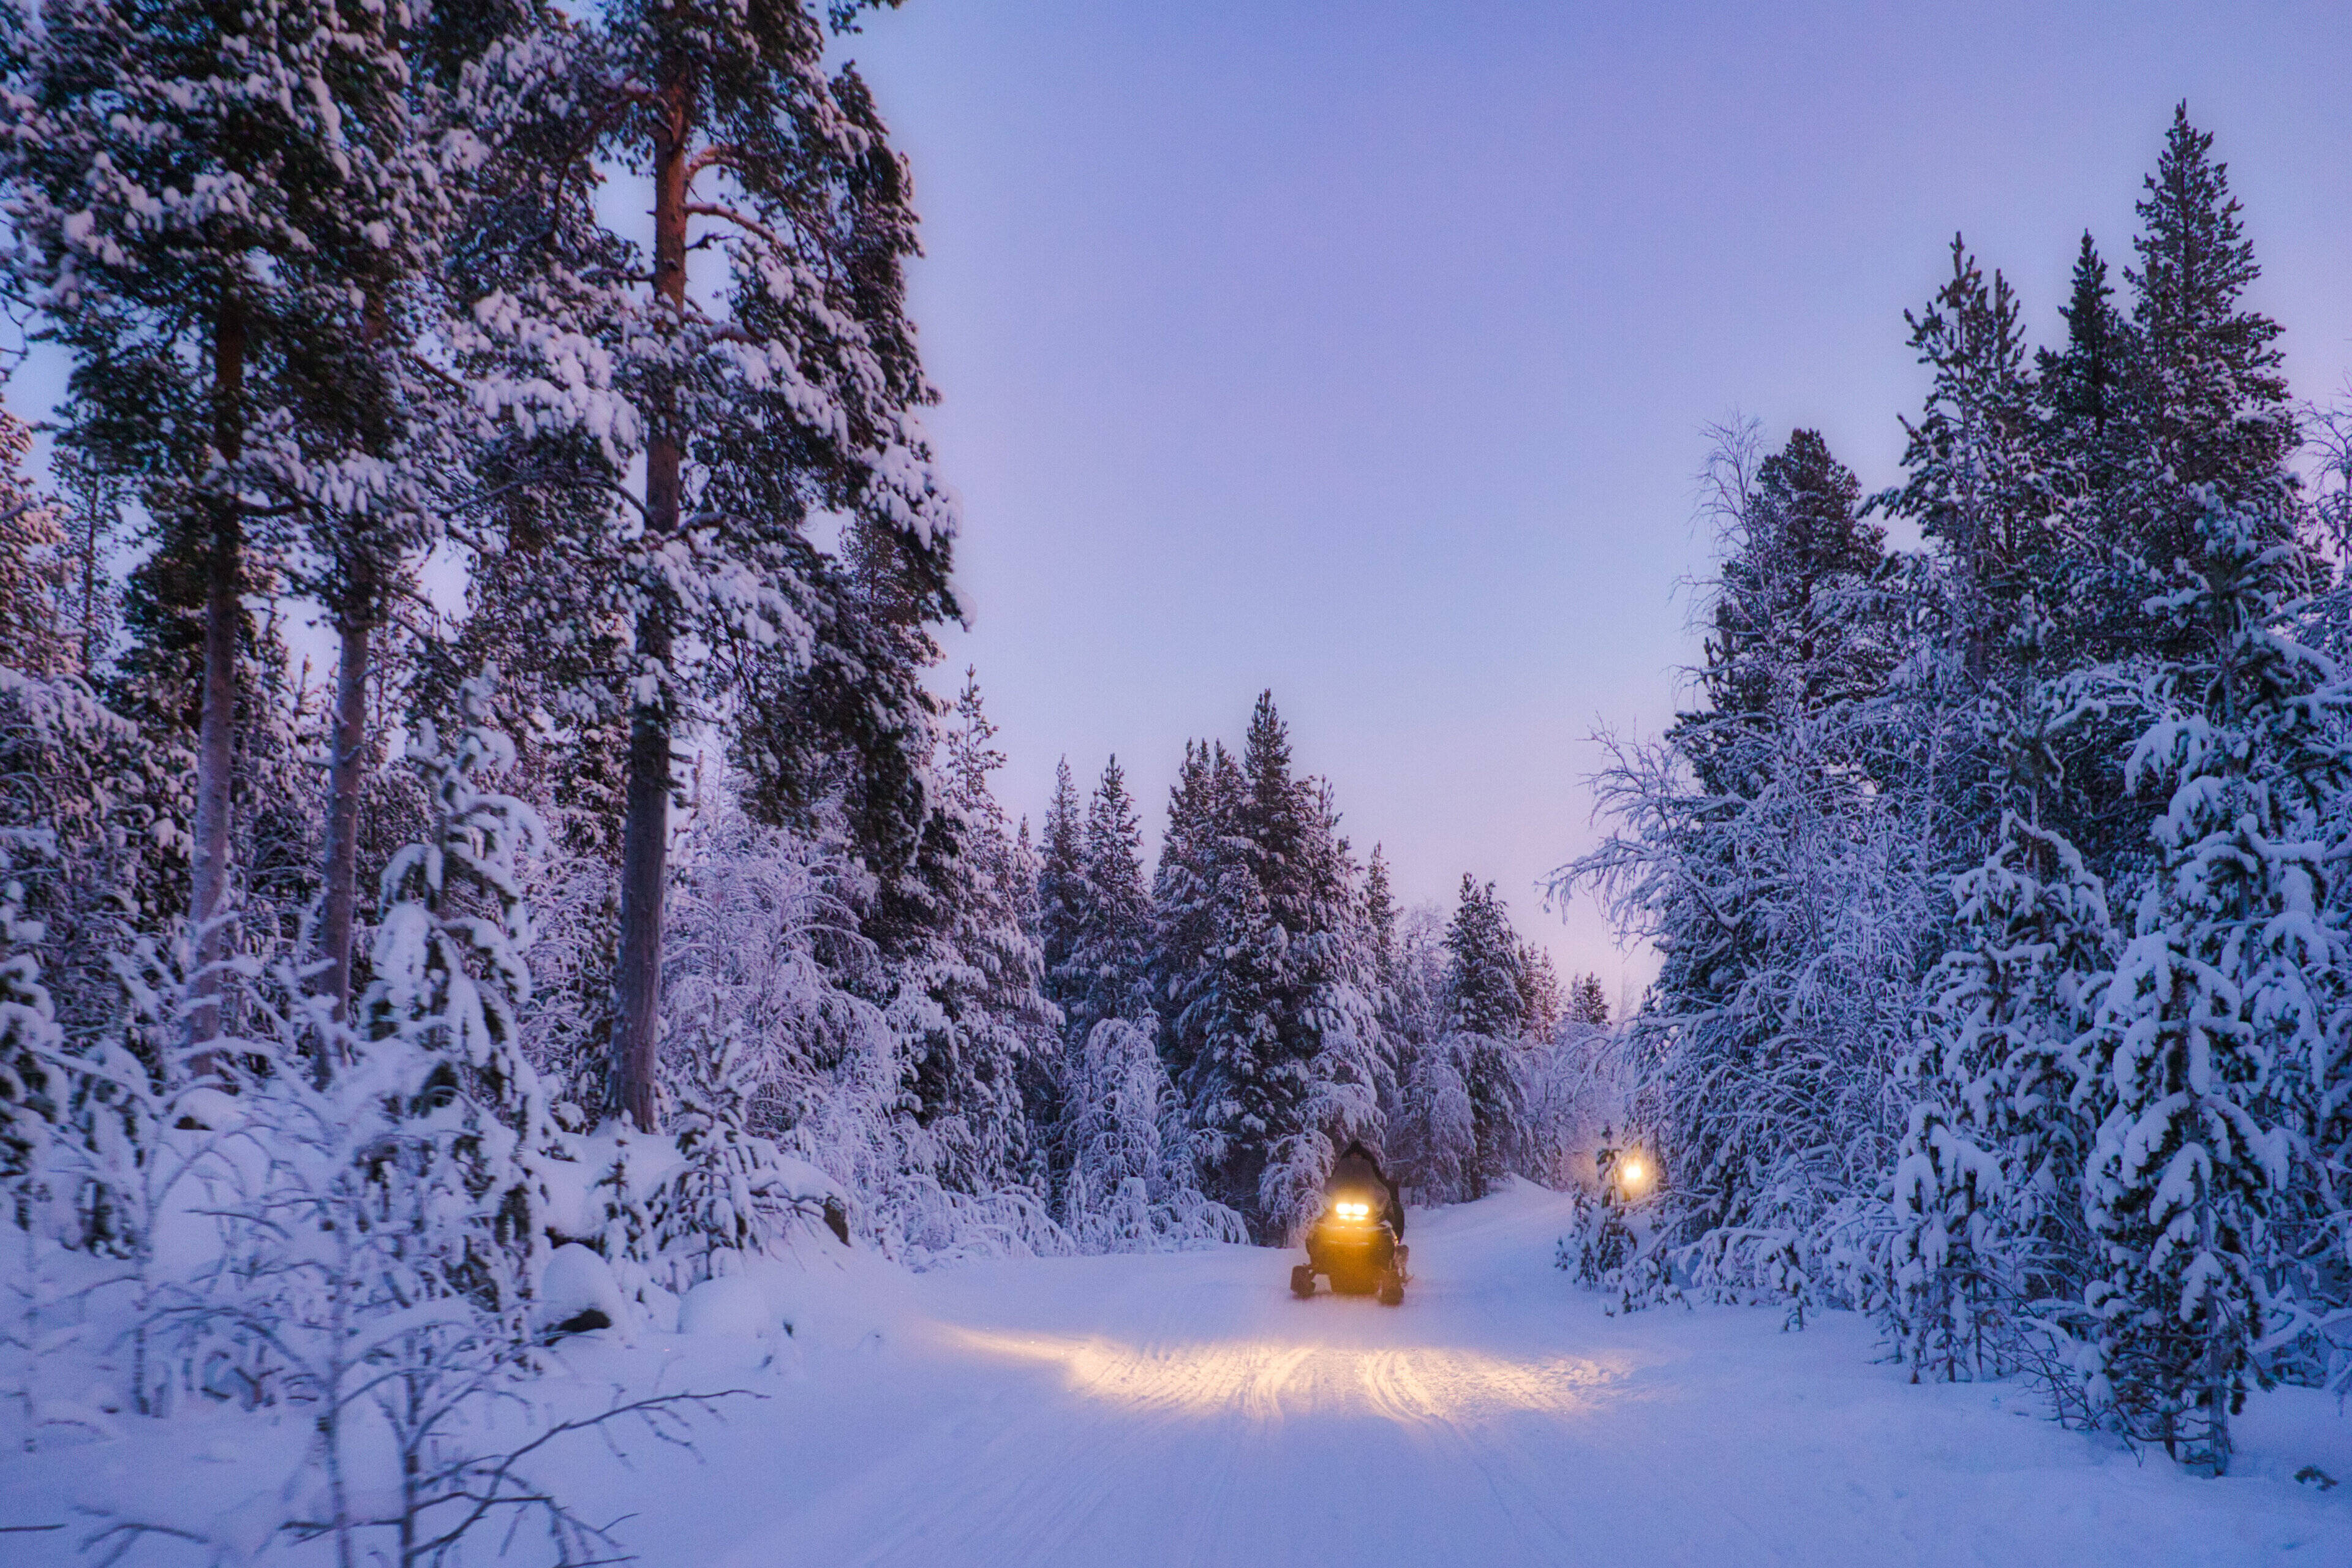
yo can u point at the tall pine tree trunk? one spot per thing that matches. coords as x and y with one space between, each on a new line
345 771
217 731
364 580
645 842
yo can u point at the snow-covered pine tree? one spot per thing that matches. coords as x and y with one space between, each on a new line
387 462
1486 1019
2227 1012
438 1027
788 386
197 191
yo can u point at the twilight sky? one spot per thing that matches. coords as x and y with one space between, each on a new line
1359 350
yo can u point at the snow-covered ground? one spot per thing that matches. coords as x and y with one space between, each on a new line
1186 1409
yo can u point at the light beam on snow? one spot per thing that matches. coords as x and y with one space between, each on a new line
1265 1379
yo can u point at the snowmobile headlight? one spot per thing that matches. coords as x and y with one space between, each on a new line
1353 1210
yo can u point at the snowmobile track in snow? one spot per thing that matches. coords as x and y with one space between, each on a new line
1186 1409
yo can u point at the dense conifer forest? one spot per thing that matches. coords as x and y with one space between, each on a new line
1996 882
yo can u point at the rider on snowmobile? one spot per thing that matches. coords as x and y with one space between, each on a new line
1358 1241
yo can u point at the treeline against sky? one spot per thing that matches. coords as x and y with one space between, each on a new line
2000 884
1263 1002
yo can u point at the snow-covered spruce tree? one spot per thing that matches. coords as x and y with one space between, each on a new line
1111 945
1062 896
1486 1017
1194 850
964 977
198 191
1995 1132
2138 412
1542 1003
1098 914
439 1025
1431 1142
786 386
735 1195
2085 424
1974 476
1335 971
1436 1126
1988 1182
33 1092
2227 1010
111 806
1380 918
1262 961
2207 410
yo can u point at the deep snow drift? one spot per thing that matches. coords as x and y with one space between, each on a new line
1185 1409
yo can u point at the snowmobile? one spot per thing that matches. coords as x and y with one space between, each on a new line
1355 1242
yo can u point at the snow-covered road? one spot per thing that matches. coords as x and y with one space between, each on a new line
1185 1409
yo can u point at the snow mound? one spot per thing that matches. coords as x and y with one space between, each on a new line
729 1308
577 1287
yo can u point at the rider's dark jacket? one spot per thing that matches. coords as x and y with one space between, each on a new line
1357 1171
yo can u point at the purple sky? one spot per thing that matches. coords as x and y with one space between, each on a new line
1361 349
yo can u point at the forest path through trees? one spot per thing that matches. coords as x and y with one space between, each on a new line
1183 1408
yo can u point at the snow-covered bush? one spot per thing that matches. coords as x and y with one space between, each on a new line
768 948
735 1195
